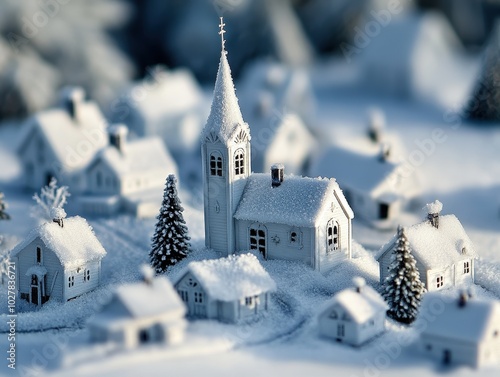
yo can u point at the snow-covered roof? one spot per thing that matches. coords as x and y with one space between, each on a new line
361 306
357 171
144 300
141 155
232 278
433 247
298 201
64 134
469 323
74 244
225 115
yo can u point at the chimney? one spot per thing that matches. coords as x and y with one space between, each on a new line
277 174
58 215
359 283
147 274
433 212
73 98
118 137
376 124
463 298
385 152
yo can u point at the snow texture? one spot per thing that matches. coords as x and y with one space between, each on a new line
434 207
298 201
3 206
74 244
232 278
37 270
225 115
50 202
469 323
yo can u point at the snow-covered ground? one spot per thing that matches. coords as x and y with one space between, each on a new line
456 163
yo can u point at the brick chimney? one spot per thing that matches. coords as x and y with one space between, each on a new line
277 175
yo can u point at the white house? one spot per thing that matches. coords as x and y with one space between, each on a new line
375 186
61 142
283 217
463 331
229 289
58 261
140 313
127 175
354 315
169 104
443 251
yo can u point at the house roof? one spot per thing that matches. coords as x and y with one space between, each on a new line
298 201
433 247
65 135
361 172
74 244
232 278
225 115
470 323
361 306
144 300
141 155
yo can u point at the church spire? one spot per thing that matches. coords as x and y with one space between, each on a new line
225 114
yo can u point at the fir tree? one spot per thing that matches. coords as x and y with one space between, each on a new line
3 206
402 289
170 242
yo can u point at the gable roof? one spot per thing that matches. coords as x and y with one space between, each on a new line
436 247
364 173
298 201
225 115
74 244
141 155
361 306
232 278
470 323
144 300
64 134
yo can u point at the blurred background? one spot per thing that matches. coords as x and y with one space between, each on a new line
106 45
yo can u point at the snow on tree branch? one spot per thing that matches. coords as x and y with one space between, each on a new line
51 197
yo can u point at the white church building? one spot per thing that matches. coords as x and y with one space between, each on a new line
282 217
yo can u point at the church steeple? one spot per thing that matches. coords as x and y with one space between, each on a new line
225 114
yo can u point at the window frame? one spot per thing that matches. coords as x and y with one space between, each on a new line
439 281
332 236
257 238
239 162
466 268
216 164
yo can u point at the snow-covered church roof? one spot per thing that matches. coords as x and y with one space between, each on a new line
471 322
232 278
436 247
298 201
74 244
225 115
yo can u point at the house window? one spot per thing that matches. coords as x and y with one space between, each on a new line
198 297
439 282
71 281
334 315
258 239
34 280
340 330
239 162
295 237
248 301
466 267
332 236
216 164
192 282
184 295
38 254
86 275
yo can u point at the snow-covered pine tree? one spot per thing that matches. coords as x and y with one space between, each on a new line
170 242
402 289
3 206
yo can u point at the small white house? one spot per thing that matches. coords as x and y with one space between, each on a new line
463 331
443 251
127 175
169 104
140 313
58 261
354 315
374 185
61 142
230 289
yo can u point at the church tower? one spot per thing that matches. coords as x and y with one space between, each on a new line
225 149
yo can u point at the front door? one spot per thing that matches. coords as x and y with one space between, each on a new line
35 291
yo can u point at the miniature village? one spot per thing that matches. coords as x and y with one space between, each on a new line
230 226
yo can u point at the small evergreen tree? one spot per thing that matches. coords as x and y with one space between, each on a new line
51 197
402 289
3 206
170 242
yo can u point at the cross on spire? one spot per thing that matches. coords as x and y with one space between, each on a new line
221 33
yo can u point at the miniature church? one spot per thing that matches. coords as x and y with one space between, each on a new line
282 217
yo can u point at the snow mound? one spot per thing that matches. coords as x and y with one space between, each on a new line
435 207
